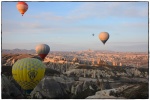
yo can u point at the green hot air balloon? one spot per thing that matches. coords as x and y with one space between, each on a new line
42 50
28 72
104 36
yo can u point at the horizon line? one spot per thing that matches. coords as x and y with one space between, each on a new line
80 50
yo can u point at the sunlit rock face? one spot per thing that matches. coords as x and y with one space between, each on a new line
10 59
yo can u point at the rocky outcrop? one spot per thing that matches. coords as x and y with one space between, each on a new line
93 73
9 90
138 91
134 91
110 93
52 87
82 89
10 59
63 87
77 70
133 72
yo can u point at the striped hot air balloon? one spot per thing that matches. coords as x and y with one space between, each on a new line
42 50
28 72
22 7
104 36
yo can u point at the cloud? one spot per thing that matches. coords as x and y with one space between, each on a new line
16 27
10 26
107 9
46 16
97 10
48 22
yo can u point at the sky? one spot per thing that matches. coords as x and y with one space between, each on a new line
68 26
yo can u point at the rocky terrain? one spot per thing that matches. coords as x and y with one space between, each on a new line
70 81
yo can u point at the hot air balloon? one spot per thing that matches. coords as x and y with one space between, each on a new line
104 36
22 7
28 72
42 50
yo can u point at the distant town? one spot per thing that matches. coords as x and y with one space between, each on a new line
90 57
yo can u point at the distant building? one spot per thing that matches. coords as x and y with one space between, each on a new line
100 62
115 63
93 62
120 64
75 60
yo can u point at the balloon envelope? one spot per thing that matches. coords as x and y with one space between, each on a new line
104 36
42 50
22 7
28 72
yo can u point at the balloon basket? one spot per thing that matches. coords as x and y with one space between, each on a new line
28 91
28 96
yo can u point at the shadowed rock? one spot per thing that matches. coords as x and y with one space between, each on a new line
9 90
50 87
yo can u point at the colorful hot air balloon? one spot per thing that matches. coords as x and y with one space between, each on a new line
28 72
104 36
22 7
42 50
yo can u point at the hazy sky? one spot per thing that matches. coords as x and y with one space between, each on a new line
67 26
